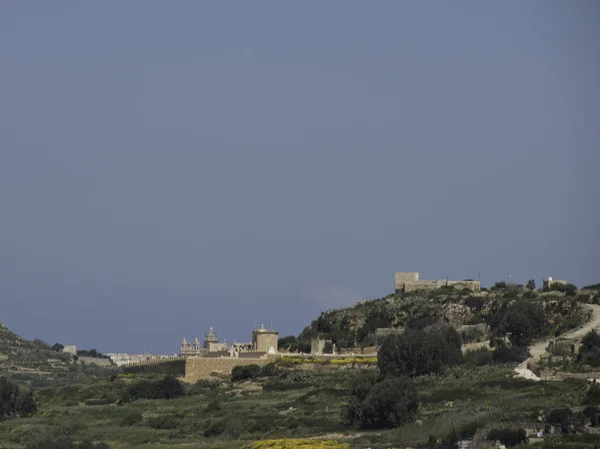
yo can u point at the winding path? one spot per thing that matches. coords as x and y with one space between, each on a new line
539 348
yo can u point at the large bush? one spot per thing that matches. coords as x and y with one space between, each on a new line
14 402
419 352
245 372
589 352
521 319
166 388
386 404
508 437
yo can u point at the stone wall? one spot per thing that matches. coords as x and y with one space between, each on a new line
471 285
175 367
204 368
405 277
95 360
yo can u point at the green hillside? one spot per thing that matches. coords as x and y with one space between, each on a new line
36 364
357 325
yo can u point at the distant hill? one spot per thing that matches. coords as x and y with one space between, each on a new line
357 325
35 363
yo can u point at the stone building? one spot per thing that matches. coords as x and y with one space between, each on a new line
264 340
548 282
211 344
409 281
70 349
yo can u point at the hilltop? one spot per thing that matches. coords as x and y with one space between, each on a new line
37 364
477 316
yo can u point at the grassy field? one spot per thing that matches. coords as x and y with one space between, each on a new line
307 403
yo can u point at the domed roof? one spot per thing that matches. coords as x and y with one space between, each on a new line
262 328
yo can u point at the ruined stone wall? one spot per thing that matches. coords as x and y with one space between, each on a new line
428 285
317 346
403 277
251 355
471 285
204 368
95 360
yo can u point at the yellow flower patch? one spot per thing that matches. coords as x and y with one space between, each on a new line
300 443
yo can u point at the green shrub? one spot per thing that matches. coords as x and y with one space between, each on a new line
510 354
498 286
478 357
245 372
592 396
419 352
269 370
202 386
14 402
163 422
388 404
166 388
522 319
55 439
131 419
284 385
589 352
508 437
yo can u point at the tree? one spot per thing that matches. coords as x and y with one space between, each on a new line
388 404
13 401
523 321
530 284
498 286
419 352
589 352
245 372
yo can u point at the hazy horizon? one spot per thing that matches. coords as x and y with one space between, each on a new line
166 167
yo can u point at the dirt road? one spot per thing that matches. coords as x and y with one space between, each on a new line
539 348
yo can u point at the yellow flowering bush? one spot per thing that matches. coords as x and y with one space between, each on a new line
300 443
329 361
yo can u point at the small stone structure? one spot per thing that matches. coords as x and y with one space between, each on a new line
548 282
264 340
383 332
70 349
409 281
317 346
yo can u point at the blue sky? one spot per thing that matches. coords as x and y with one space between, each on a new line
170 166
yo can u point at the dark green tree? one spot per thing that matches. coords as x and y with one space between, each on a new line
589 352
523 321
388 404
420 352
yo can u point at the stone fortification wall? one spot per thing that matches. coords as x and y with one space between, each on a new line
204 368
406 276
251 355
471 285
172 367
95 360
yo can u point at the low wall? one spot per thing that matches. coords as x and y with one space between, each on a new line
95 360
204 368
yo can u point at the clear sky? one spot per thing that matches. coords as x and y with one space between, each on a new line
170 166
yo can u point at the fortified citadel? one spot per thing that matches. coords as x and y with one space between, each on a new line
214 358
409 281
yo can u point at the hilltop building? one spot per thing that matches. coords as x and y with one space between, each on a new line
548 282
409 281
